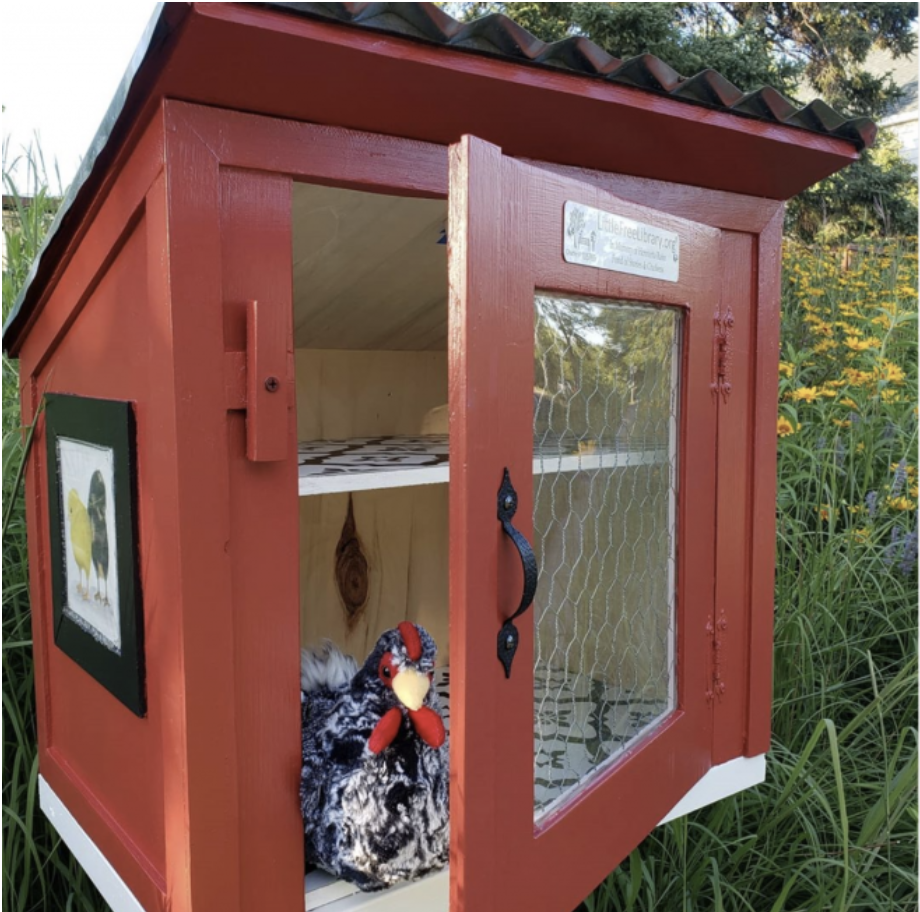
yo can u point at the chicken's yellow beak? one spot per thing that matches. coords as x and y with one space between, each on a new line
411 687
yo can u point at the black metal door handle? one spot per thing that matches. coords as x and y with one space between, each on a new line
508 636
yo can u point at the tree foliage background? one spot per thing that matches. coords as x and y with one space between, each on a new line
802 49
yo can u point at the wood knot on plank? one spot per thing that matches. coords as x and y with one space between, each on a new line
351 569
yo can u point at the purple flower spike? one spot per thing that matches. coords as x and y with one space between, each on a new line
909 554
890 554
872 503
900 477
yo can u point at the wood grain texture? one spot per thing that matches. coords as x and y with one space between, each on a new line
716 208
104 762
403 540
200 730
379 259
351 574
343 394
319 153
261 549
269 348
731 617
112 220
763 497
485 708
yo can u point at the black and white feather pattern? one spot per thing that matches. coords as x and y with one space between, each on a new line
372 819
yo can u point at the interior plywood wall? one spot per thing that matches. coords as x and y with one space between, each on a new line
343 394
401 537
370 270
371 559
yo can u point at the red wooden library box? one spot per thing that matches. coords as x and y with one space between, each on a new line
315 249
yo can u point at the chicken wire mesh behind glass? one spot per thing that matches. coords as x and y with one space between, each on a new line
605 462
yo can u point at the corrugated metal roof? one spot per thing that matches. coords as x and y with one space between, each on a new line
498 36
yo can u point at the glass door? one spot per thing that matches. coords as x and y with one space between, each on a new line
606 415
580 355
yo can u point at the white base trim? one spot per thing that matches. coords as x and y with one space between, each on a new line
720 782
321 891
107 880
431 894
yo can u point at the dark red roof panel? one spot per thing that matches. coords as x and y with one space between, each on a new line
499 36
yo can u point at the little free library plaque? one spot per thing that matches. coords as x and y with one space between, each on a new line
606 241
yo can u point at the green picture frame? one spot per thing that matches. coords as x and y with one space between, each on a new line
92 505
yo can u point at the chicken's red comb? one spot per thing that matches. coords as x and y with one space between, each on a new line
411 639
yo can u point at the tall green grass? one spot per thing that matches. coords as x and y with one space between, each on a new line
835 825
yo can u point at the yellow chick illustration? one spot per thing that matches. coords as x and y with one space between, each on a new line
81 538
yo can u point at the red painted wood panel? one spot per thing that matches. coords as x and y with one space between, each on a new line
263 549
204 824
731 617
479 450
269 349
104 762
763 497
716 208
386 84
108 224
506 240
317 153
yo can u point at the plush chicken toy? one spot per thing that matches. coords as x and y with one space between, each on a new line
374 784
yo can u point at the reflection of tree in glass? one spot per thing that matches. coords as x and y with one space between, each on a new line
603 374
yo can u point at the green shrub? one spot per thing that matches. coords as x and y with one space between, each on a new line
834 827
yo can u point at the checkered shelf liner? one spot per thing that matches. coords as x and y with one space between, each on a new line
370 455
373 455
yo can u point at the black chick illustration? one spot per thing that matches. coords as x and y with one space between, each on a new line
95 507
374 784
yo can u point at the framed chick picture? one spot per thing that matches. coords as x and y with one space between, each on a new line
92 501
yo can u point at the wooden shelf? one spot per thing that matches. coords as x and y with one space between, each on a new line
372 463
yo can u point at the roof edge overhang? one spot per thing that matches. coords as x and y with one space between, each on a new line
385 83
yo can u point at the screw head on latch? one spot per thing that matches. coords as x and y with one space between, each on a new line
272 384
508 502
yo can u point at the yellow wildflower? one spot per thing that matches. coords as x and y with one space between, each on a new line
890 371
784 427
857 344
900 503
861 536
786 369
858 377
805 394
